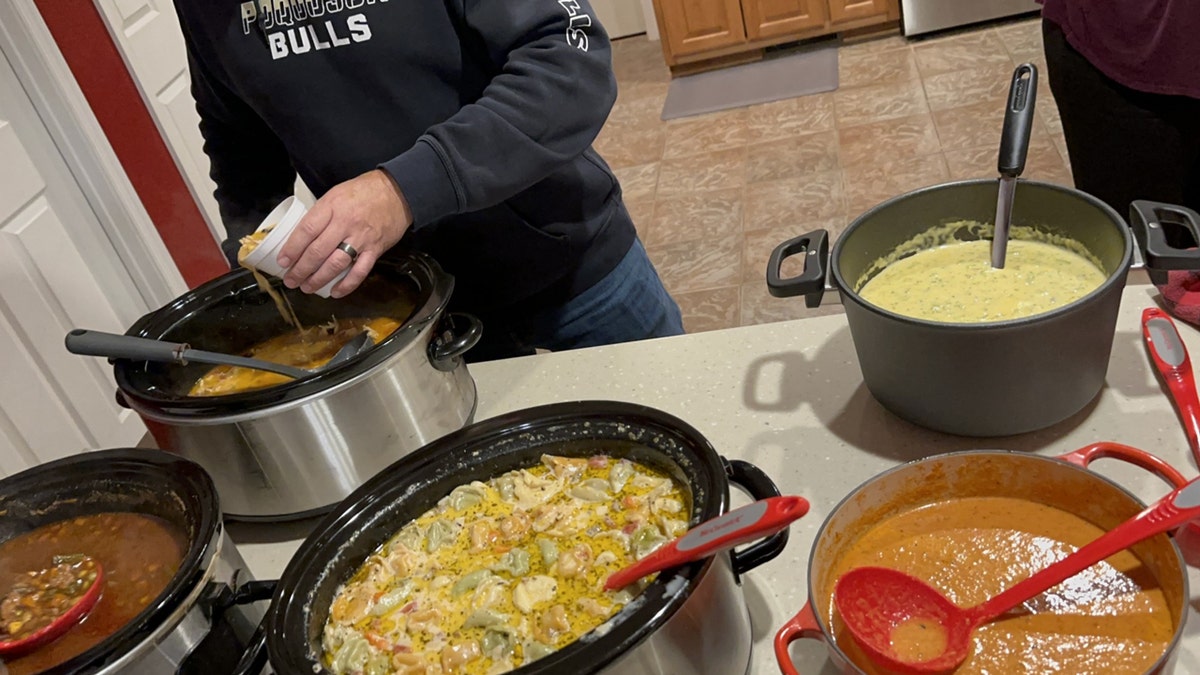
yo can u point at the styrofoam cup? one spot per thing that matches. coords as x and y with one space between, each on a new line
285 217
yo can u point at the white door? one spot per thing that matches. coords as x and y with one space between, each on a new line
58 271
148 36
622 18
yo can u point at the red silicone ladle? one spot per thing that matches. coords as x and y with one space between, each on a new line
60 624
1170 356
879 604
753 521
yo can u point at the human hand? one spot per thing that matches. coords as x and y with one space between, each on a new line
367 212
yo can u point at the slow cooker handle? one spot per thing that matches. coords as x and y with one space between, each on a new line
1146 219
811 282
254 659
759 486
456 334
1083 457
803 625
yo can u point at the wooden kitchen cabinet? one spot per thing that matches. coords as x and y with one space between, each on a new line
772 18
848 10
704 34
693 26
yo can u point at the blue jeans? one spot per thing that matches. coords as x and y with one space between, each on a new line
629 304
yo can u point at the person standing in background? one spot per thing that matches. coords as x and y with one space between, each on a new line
1126 76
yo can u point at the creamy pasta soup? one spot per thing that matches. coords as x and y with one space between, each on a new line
502 573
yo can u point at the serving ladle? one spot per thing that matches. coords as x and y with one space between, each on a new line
907 626
1014 147
114 346
70 616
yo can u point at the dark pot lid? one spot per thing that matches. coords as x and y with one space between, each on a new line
373 513
231 314
150 482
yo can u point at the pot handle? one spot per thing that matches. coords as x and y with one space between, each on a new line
254 659
456 334
759 486
1146 219
1083 457
811 282
802 626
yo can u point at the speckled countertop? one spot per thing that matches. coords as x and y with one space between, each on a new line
789 398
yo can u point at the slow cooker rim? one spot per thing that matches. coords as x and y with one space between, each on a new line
289 602
847 289
818 611
178 408
197 558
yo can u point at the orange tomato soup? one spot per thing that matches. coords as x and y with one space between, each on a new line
1112 618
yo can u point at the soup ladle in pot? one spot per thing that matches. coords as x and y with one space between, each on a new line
113 346
1014 147
77 582
907 626
762 518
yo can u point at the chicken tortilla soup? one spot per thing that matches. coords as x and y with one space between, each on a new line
45 570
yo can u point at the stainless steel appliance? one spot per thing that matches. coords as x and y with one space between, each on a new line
694 620
293 449
925 16
205 618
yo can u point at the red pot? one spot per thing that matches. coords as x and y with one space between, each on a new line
1063 482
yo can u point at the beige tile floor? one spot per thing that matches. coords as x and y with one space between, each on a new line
712 195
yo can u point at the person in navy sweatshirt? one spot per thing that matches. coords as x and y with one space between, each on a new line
462 128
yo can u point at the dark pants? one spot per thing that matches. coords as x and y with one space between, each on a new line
1123 144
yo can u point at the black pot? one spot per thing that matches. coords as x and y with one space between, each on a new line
1167 236
200 618
984 379
694 619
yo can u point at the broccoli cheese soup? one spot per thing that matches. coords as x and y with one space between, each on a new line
956 283
502 573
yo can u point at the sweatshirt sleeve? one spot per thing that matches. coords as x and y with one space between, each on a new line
248 163
553 90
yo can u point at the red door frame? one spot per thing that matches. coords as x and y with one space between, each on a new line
110 90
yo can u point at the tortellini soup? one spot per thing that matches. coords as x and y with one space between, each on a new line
502 573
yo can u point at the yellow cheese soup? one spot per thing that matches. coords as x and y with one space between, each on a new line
956 283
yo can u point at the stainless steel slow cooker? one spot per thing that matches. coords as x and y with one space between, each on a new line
206 617
692 620
295 449
1062 482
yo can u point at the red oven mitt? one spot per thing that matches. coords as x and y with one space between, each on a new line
1181 295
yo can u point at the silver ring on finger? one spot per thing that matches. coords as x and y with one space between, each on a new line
349 250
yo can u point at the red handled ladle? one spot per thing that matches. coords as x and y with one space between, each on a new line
1170 356
905 625
85 583
753 521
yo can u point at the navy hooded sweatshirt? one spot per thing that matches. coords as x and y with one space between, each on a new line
482 111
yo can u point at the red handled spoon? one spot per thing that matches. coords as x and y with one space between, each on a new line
905 625
47 603
753 521
1170 356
